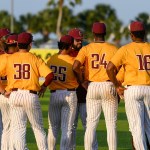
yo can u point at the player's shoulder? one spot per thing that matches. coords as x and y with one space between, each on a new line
147 44
4 58
86 47
5 55
55 56
127 46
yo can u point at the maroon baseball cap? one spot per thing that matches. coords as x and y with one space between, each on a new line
76 33
67 39
98 28
4 32
25 38
12 39
137 26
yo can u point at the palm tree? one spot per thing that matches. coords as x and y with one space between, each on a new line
60 4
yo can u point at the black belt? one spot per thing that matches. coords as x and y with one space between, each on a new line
128 85
52 91
30 91
101 81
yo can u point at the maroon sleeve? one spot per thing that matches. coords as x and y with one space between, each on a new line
48 79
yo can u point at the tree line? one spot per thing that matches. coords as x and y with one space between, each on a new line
58 18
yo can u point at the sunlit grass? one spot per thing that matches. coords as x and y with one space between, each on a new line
124 137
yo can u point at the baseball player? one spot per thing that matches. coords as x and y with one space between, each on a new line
81 91
11 47
23 70
63 98
135 58
3 33
101 92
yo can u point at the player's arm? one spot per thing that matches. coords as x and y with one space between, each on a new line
2 89
48 80
79 60
77 71
46 72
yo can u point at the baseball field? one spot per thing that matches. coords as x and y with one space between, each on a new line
122 130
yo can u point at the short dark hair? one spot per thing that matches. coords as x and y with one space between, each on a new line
62 45
23 46
139 34
10 45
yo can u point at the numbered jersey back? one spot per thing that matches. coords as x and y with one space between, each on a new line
64 77
135 58
96 56
23 71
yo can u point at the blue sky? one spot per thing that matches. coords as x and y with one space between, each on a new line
126 10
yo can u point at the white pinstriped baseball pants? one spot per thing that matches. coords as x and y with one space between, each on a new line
62 109
81 110
26 105
101 96
137 105
5 112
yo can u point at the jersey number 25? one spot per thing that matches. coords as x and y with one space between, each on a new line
59 73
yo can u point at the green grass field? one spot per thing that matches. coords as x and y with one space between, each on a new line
124 136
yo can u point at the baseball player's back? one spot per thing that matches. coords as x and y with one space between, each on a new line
63 98
97 56
135 58
23 70
64 77
135 54
101 94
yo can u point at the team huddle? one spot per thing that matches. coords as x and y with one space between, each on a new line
82 80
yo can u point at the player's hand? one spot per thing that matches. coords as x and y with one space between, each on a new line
42 91
7 94
85 84
120 91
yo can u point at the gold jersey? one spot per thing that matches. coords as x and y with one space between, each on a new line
23 71
3 58
135 58
96 57
64 77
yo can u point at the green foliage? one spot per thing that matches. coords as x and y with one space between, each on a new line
46 21
5 19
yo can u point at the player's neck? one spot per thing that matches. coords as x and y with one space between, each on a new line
99 40
139 41
64 52
23 50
